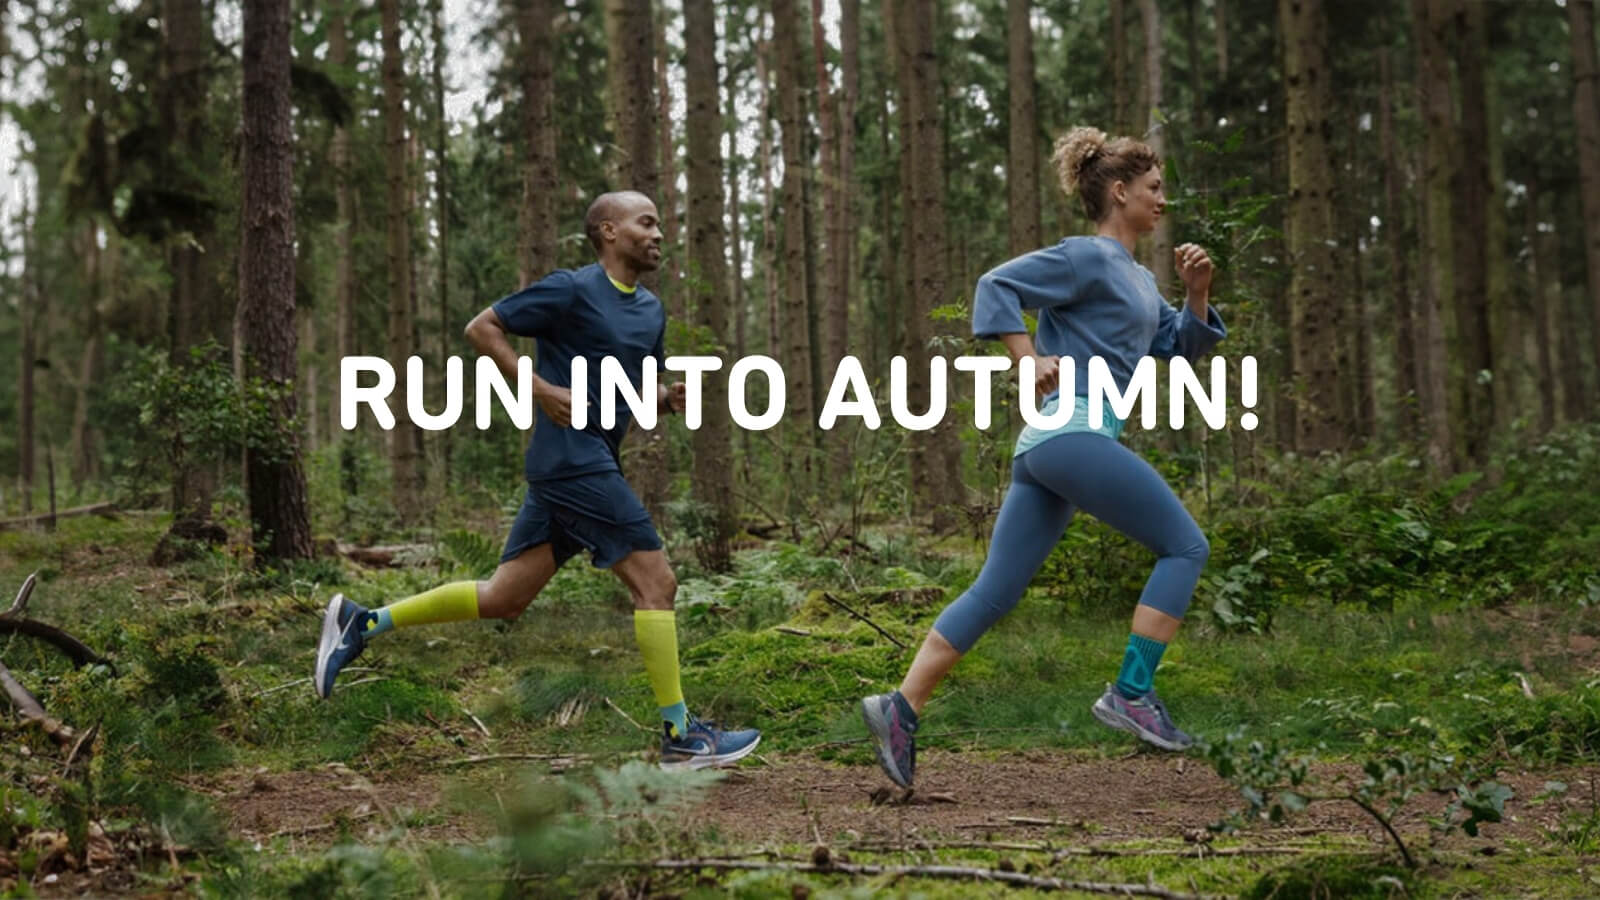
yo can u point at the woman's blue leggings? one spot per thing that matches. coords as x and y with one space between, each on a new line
1051 482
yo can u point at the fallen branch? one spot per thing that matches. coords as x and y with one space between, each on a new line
790 629
960 873
29 707
93 509
11 622
1059 853
875 627
478 722
630 719
569 759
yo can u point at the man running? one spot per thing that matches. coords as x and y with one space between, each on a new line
576 498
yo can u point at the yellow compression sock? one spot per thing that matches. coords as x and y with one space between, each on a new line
657 633
454 602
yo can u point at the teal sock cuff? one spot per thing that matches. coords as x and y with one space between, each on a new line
676 715
1139 662
378 621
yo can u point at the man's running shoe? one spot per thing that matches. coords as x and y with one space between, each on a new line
703 745
342 641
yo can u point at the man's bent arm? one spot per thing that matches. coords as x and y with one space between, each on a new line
487 335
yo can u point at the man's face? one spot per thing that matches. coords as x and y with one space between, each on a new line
636 233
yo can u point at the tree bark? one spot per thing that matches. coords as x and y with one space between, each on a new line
795 314
630 104
1586 111
713 448
831 291
769 209
536 224
1022 158
1539 266
936 454
1433 95
27 302
404 440
669 177
1120 101
280 523
1314 317
1219 11
194 313
1406 351
344 199
1471 193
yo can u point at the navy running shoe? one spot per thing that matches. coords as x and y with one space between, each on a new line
893 725
703 745
342 641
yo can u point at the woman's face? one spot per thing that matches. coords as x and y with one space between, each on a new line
1142 200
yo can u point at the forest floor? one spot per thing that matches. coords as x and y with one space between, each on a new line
460 761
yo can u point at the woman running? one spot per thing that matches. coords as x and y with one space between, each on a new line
1092 299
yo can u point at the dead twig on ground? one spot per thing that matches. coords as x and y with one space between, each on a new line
570 759
875 626
13 621
631 721
29 707
1199 851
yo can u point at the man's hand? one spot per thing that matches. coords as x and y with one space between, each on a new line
556 403
678 396
1046 373
1194 267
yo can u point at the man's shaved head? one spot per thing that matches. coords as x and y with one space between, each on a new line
614 206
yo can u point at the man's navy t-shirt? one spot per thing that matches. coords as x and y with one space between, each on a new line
582 313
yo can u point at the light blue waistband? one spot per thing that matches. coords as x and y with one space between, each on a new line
1031 437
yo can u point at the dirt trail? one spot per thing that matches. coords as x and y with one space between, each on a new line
959 795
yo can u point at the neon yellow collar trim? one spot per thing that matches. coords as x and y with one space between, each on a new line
625 288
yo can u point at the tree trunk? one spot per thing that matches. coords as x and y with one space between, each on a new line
769 209
1155 136
730 118
1361 409
281 527
85 436
1022 159
630 104
1312 271
27 302
1197 87
344 199
194 315
1406 351
1120 101
1586 110
850 71
835 311
796 327
404 444
536 225
1433 96
441 214
936 454
1219 10
713 448
1471 192
669 176
1540 265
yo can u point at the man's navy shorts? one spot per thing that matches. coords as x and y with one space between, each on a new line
599 513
